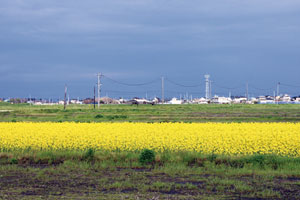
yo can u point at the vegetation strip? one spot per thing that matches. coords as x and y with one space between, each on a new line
218 138
149 113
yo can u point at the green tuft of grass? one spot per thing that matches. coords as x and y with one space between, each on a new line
147 156
89 155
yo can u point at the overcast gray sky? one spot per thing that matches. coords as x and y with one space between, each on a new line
45 44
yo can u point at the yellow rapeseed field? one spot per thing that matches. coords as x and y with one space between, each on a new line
220 138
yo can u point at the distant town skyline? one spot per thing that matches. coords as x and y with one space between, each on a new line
47 44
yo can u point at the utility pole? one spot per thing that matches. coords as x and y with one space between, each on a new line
30 99
278 84
247 94
65 99
94 97
210 94
99 88
162 89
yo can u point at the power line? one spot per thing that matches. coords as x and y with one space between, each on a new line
181 85
264 89
228 88
182 92
288 85
130 92
131 84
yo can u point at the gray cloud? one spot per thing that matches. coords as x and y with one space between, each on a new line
137 40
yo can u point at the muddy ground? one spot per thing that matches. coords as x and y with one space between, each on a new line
83 182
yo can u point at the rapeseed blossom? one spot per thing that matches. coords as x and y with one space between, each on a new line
219 138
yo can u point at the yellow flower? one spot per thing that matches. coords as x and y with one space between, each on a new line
220 138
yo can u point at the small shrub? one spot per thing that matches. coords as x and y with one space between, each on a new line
14 120
212 157
123 116
14 161
257 160
236 163
110 117
89 156
147 156
274 162
98 116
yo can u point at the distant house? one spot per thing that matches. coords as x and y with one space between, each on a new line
75 101
286 98
175 101
156 100
254 100
121 100
142 101
201 101
266 99
108 100
239 100
296 99
88 101
221 100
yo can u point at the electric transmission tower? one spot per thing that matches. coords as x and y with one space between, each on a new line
207 86
278 95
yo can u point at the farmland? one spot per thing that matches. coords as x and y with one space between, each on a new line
48 152
149 113
219 138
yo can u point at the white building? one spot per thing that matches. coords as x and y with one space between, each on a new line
142 101
221 100
239 100
75 101
286 98
297 99
200 101
266 100
175 101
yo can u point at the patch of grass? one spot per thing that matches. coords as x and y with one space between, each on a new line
149 113
147 156
99 116
160 186
14 161
267 193
121 185
89 155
